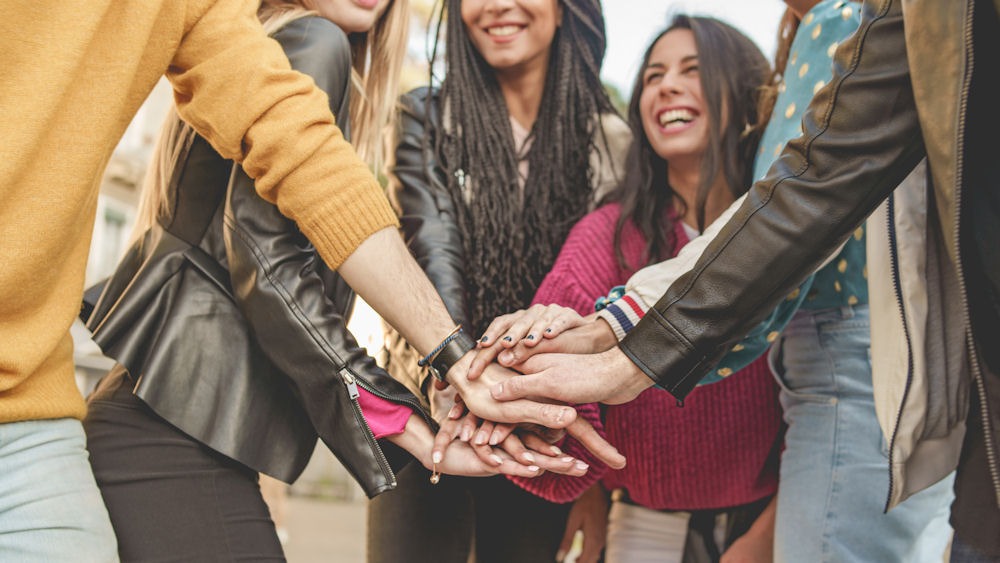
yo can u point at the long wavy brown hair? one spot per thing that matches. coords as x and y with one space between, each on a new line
732 71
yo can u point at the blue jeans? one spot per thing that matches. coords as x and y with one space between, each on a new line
50 508
834 469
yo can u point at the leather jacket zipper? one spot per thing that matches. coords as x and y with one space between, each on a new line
350 381
977 375
901 307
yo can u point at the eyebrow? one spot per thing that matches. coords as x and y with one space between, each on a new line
684 60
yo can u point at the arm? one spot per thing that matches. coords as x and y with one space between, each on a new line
235 87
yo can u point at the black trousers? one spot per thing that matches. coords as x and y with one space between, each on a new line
419 522
170 497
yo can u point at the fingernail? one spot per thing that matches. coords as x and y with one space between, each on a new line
582 466
528 457
507 339
555 450
436 457
494 438
566 459
533 468
484 338
498 389
560 555
562 413
531 337
466 434
548 330
496 459
454 412
481 438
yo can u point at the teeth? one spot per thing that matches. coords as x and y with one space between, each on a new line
675 115
503 30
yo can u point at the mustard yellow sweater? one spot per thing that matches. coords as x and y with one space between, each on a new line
73 75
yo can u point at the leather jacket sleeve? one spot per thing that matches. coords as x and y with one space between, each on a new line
295 306
860 139
420 193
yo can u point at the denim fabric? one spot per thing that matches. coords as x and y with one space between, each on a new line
50 508
834 470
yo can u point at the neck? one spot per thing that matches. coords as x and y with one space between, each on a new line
685 180
522 90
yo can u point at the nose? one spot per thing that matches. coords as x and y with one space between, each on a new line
498 5
670 83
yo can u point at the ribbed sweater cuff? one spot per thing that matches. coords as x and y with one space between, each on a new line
339 226
623 314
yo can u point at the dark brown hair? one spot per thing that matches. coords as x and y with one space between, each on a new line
732 70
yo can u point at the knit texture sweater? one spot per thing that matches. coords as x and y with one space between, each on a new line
74 75
718 450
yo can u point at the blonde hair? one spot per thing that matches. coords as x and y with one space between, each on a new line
377 60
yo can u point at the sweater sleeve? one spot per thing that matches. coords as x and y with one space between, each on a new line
385 418
235 87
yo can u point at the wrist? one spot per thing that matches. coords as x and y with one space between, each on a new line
602 334
416 439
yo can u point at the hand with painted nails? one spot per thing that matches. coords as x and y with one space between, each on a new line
609 377
476 395
458 458
591 335
528 326
531 444
589 516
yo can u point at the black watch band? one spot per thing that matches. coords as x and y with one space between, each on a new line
453 351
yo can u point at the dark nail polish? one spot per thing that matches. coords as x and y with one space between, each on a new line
507 339
531 337
548 331
484 339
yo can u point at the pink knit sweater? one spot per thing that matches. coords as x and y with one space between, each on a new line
719 450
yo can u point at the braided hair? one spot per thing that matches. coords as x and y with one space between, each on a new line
512 237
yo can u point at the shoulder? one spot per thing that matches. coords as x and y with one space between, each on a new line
317 47
314 31
417 105
601 221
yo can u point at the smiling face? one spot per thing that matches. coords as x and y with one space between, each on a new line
672 105
353 16
512 35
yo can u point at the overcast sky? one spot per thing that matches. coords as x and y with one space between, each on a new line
631 24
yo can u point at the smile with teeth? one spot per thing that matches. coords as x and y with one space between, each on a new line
676 117
503 30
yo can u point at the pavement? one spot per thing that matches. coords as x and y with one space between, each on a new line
322 531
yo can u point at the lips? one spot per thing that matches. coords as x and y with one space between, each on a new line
675 117
366 4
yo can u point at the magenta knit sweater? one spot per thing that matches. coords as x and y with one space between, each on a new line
719 450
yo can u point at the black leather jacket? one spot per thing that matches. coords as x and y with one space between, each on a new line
900 92
229 321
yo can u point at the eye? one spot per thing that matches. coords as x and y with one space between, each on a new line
693 69
652 77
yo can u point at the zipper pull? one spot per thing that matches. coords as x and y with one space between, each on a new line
352 385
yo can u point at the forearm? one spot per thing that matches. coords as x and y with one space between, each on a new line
386 276
416 439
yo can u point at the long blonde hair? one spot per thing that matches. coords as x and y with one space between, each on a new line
377 59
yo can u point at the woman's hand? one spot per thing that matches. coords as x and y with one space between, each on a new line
458 458
530 445
527 326
589 515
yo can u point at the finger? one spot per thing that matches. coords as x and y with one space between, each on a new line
584 433
537 443
511 467
519 354
482 358
445 436
568 319
515 449
500 433
493 332
468 427
523 410
519 328
484 433
488 455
